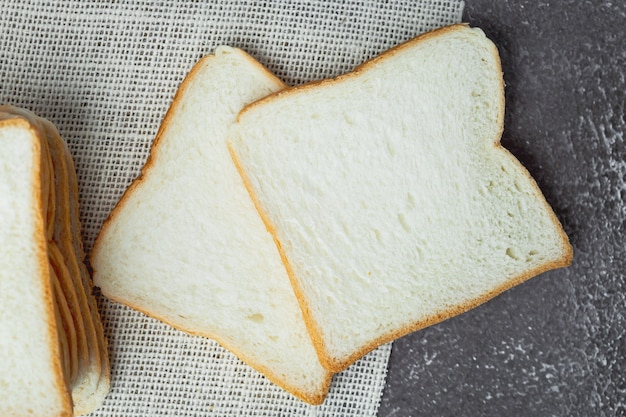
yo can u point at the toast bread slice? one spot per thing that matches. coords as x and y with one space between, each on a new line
185 244
389 196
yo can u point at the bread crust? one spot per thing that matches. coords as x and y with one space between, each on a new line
62 263
65 325
312 398
93 383
339 364
42 165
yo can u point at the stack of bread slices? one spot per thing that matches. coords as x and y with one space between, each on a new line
53 355
299 227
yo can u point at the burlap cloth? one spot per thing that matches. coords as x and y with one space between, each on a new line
105 74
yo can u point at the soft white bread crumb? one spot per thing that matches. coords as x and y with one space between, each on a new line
31 373
389 195
186 245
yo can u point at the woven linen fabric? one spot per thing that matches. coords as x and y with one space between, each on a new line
105 73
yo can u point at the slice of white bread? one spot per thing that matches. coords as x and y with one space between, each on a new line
389 196
81 350
185 243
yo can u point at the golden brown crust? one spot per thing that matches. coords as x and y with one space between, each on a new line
94 357
99 344
333 364
65 303
66 330
64 263
44 266
93 381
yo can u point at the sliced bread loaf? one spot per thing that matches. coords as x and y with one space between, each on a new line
186 245
32 373
77 343
389 196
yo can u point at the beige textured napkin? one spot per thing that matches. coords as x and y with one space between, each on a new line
105 74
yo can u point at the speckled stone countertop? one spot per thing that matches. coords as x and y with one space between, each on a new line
555 345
